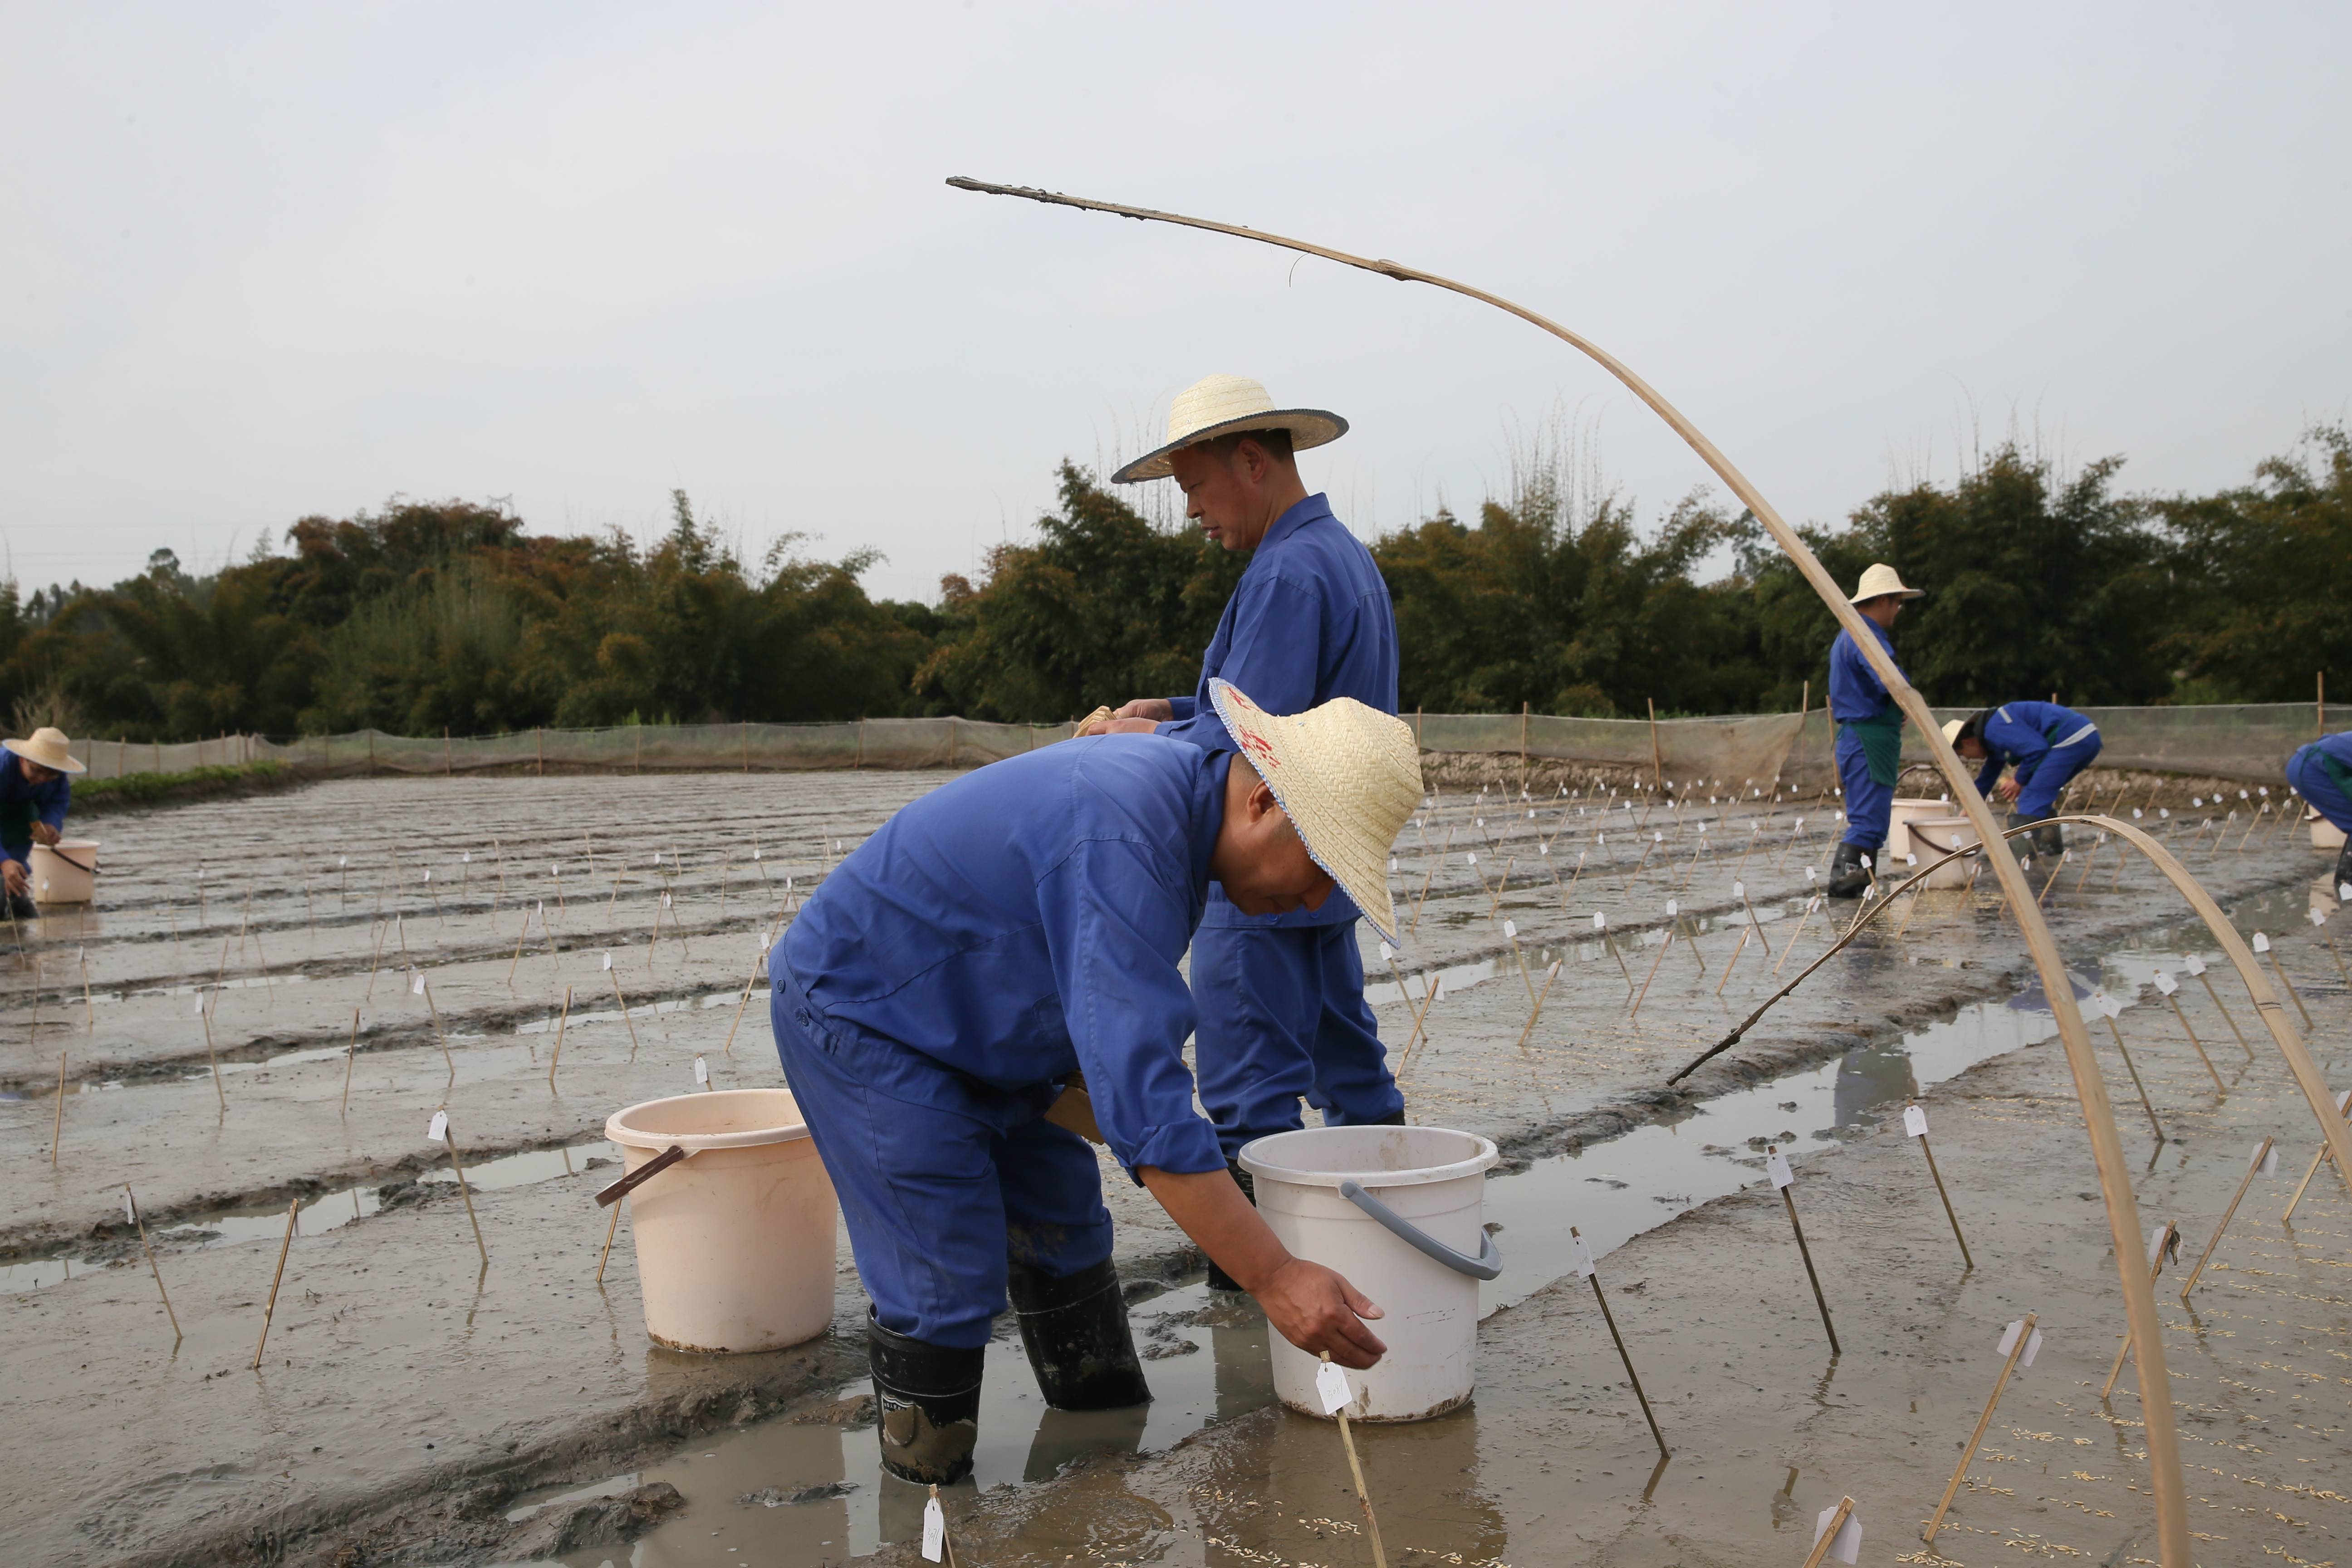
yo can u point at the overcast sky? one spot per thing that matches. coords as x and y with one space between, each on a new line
259 262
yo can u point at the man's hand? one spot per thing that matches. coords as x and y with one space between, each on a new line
1159 710
12 873
44 834
1309 1305
2007 788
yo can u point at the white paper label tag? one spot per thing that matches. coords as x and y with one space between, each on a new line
935 1530
1473 859
1583 1252
1393 863
701 1070
1511 928
2261 943
1673 907
199 1006
1776 1165
1738 889
340 860
1915 1121
1809 874
1847 1547
129 1206
2343 892
1600 920
2344 1102
1388 955
2105 1004
2195 964
664 900
428 873
2264 1161
1331 1387
466 858
2319 917
608 961
2165 983
416 985
2155 1245
2009 1343
437 1130
1543 849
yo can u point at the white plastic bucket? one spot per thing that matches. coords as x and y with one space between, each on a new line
1432 1181
1899 818
2324 835
1933 837
735 1245
67 874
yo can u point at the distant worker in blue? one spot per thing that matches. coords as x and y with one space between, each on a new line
2322 774
996 972
1870 732
34 795
2042 744
1281 998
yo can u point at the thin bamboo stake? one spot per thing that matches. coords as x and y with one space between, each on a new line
1635 1011
89 1014
1821 1551
748 981
2161 1436
1789 946
210 1056
2287 986
1744 933
131 1204
58 1131
1355 1468
450 1137
2171 989
1909 1110
438 1033
2253 1169
610 1231
2342 1102
517 961
557 1055
1805 1252
2132 1068
350 1055
1960 1471
2167 1243
276 1279
1584 1266
623 1002
2198 969
1551 975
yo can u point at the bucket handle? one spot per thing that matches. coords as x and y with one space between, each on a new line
1486 1265
641 1174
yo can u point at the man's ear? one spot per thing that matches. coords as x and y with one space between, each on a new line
1262 803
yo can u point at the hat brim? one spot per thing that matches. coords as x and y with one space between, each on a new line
66 766
1307 427
1890 594
1350 858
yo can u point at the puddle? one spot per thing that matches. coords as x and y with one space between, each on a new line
330 1211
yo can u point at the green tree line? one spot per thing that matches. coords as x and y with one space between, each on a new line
426 617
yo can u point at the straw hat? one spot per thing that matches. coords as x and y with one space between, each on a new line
1880 580
47 747
1225 405
1347 776
1956 728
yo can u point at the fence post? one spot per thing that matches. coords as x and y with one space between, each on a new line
1657 766
539 741
2323 704
637 764
747 744
952 739
1523 746
448 763
859 760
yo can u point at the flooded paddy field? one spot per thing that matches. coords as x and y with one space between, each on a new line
413 1406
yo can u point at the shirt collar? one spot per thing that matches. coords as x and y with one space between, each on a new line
1297 516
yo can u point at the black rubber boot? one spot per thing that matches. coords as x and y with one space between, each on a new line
2344 866
1849 877
1074 1331
21 906
929 1400
1218 1278
2049 841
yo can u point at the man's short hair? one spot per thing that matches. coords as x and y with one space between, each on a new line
1276 443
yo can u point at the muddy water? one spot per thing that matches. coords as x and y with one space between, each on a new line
811 1491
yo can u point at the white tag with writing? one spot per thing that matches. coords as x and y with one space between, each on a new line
199 1006
2156 1243
935 1530
1915 1121
2195 964
1809 875
1738 889
1331 1387
2165 983
1388 955
1583 1256
1673 907
1473 857
129 1206
2262 941
340 860
2318 917
2032 1344
437 1130
2264 1161
1776 1165
1511 928
1600 920
2105 1004
701 1070
608 961
416 985
1847 1547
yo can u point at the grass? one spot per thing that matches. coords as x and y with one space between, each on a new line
135 790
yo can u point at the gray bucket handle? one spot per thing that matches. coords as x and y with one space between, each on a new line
1486 1265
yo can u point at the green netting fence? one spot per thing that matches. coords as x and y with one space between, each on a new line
2241 740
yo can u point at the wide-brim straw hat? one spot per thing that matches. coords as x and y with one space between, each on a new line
1347 776
1881 580
46 746
1225 405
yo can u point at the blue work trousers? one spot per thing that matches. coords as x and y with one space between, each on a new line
2059 767
1282 1014
942 1177
2315 784
1869 805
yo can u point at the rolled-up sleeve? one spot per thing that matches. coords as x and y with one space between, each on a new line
1278 636
1114 931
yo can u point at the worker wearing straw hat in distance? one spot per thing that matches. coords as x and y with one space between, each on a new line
1870 731
2322 774
1008 932
2043 744
35 793
1280 998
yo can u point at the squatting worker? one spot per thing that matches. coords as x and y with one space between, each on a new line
2042 744
1001 936
1280 998
1870 731
35 793
2322 774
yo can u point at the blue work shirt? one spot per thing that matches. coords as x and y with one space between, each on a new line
1856 694
1310 620
39 802
2020 735
1025 922
2337 746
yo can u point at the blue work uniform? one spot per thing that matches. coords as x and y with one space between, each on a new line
23 802
2322 774
1867 720
1009 930
1281 997
2047 745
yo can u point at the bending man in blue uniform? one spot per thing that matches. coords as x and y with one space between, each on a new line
2043 744
1870 732
2322 774
1280 998
34 795
1002 938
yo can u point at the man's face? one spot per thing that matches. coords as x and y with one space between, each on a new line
1882 609
1219 496
33 772
1969 747
1259 859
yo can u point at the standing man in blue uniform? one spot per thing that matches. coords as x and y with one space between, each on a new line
1009 935
2322 774
34 795
1280 998
2045 744
1870 732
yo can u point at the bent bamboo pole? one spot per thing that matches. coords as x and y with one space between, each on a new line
2082 1060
